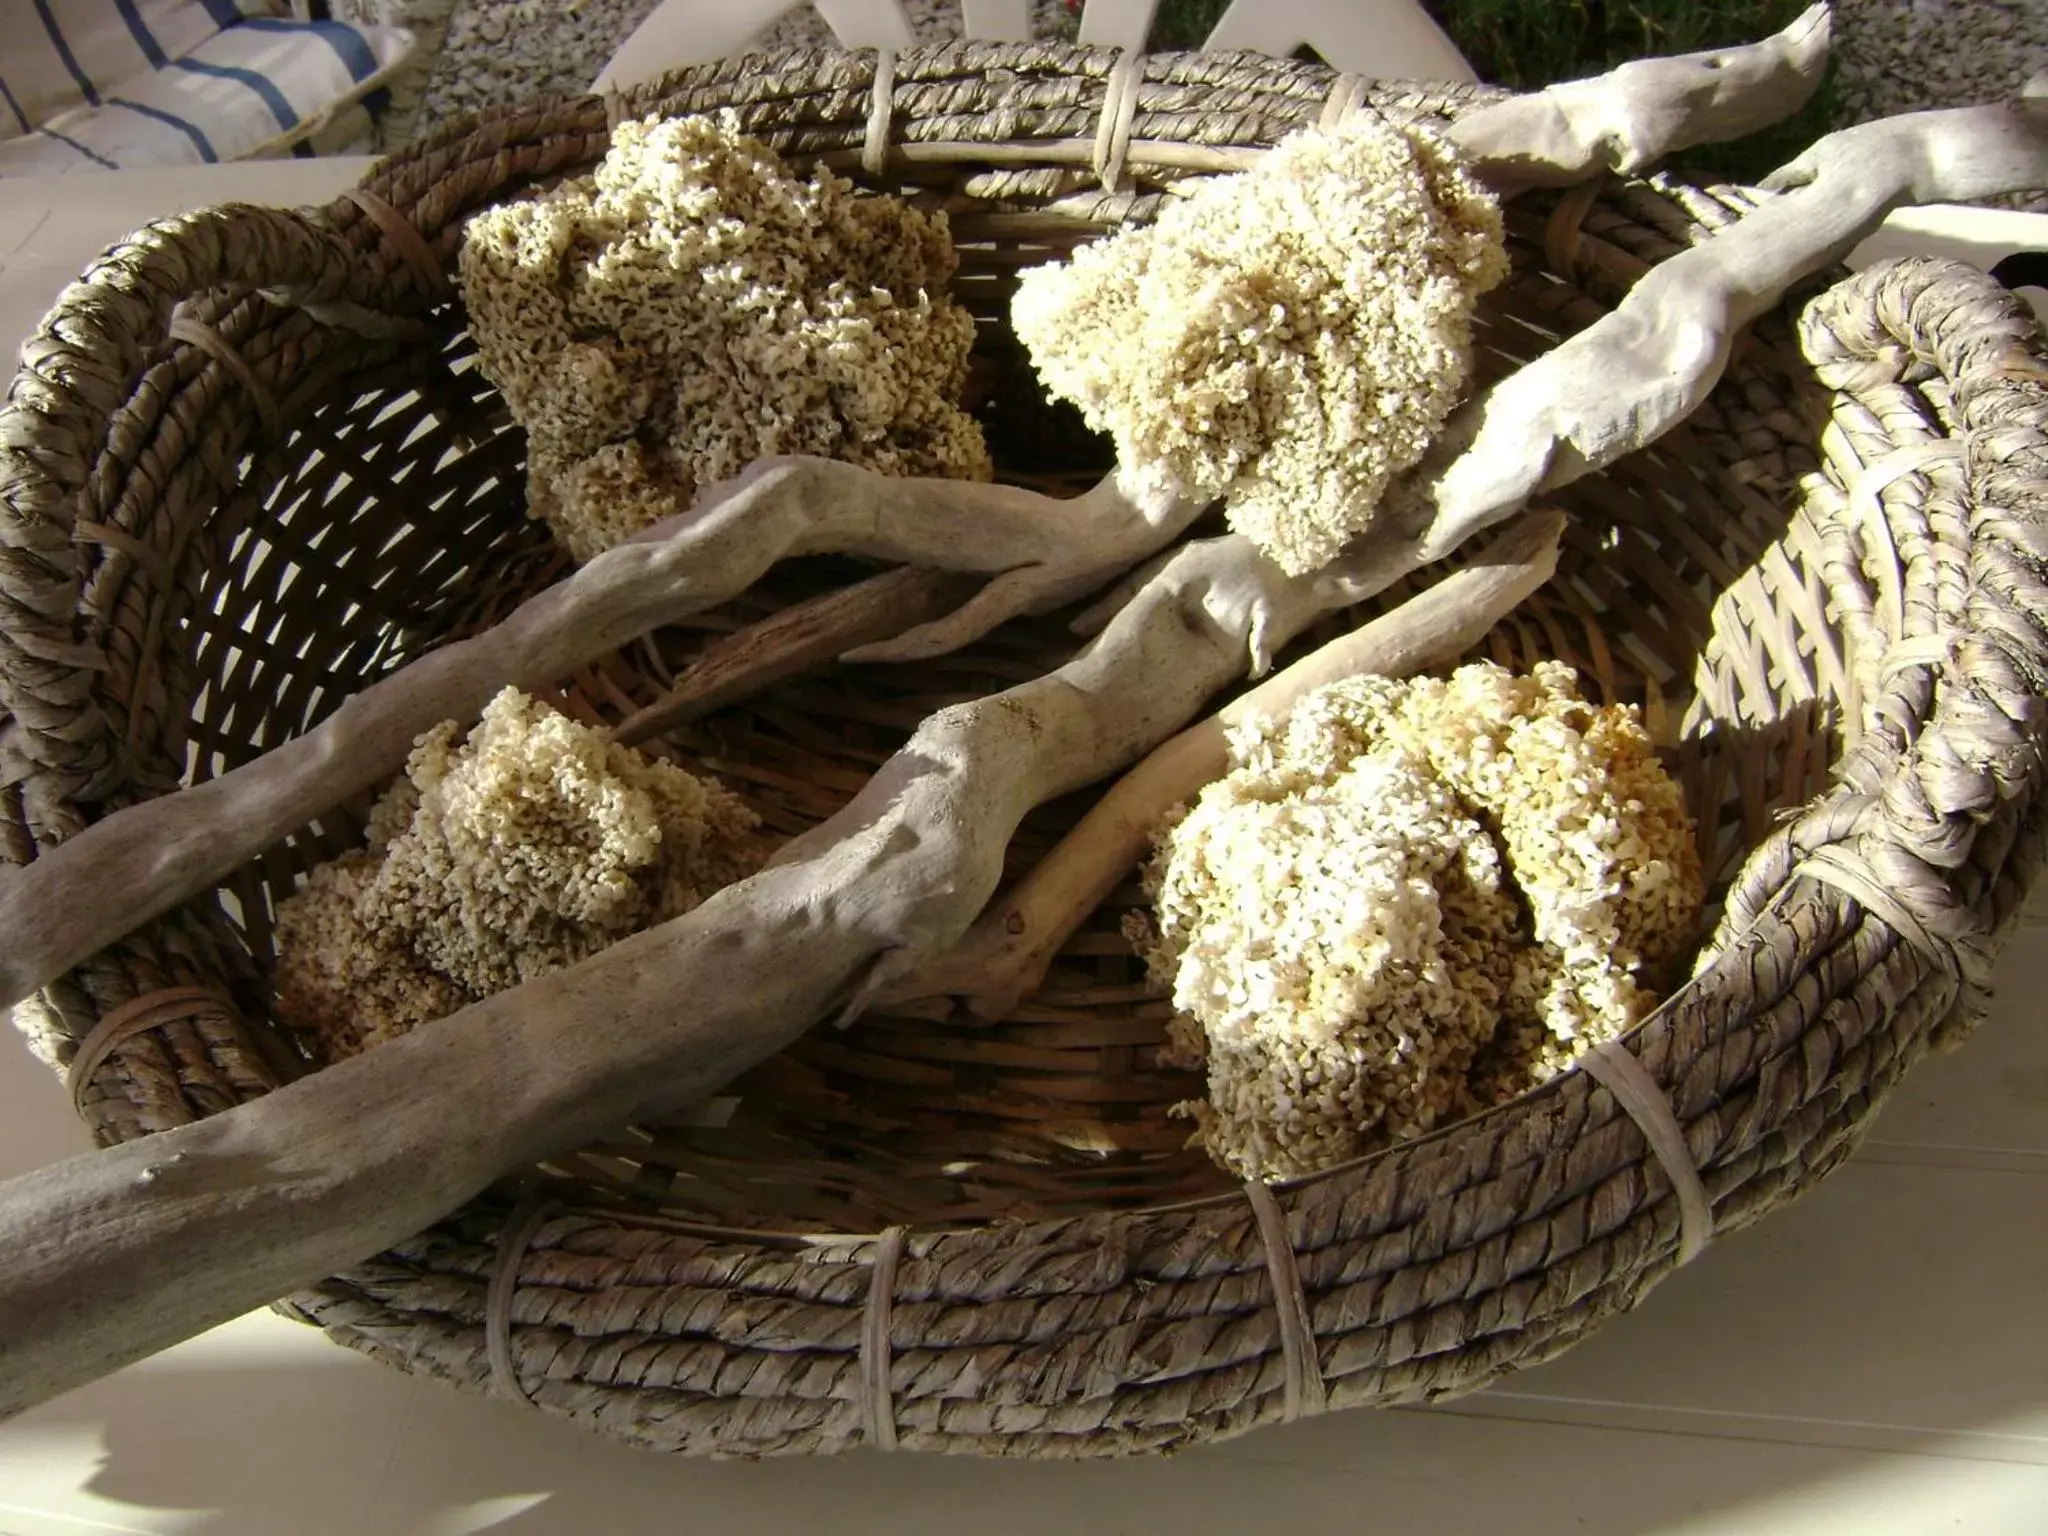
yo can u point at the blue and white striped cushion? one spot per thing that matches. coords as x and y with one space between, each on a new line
241 93
60 55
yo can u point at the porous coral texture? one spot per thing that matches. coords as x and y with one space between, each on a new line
1289 339
692 306
527 847
1411 901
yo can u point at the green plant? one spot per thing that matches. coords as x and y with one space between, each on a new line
1184 23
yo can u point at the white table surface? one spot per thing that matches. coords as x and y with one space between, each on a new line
1872 1361
52 226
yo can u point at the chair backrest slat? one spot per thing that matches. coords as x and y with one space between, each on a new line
1000 21
868 23
1384 38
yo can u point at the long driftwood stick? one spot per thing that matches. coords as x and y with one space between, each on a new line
1614 110
801 636
1629 377
120 1253
1637 114
1005 954
141 861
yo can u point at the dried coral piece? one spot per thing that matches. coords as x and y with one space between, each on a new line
1337 923
1593 828
527 847
1289 339
343 980
1410 900
692 306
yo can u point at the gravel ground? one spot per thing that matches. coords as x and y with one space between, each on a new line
1907 55
1895 55
474 54
499 51
930 19
1910 55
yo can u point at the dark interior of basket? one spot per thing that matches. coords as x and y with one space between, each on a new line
393 516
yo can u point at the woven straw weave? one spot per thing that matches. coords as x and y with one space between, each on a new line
248 466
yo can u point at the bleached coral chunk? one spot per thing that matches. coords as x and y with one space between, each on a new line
692 306
527 847
1289 339
1410 901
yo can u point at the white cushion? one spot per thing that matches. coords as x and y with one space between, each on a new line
260 85
61 55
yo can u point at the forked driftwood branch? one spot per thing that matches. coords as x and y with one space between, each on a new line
117 1254
1634 116
1634 374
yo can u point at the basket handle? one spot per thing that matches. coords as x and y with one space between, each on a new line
106 323
1922 831
78 372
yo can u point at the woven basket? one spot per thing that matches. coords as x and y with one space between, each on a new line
248 467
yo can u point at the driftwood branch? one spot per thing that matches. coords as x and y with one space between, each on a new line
1005 955
1641 112
1631 376
120 1253
138 863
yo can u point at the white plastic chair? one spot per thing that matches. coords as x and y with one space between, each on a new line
1392 39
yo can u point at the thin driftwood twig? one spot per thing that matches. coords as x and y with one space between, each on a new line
1005 955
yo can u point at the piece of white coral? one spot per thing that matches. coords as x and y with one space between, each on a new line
692 306
1289 339
1412 900
527 847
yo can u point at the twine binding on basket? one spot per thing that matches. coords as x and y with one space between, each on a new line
1865 514
1836 866
1616 1069
1347 98
1930 650
1306 1390
1866 510
197 333
405 239
136 1017
878 1411
874 144
520 1228
149 558
1563 229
